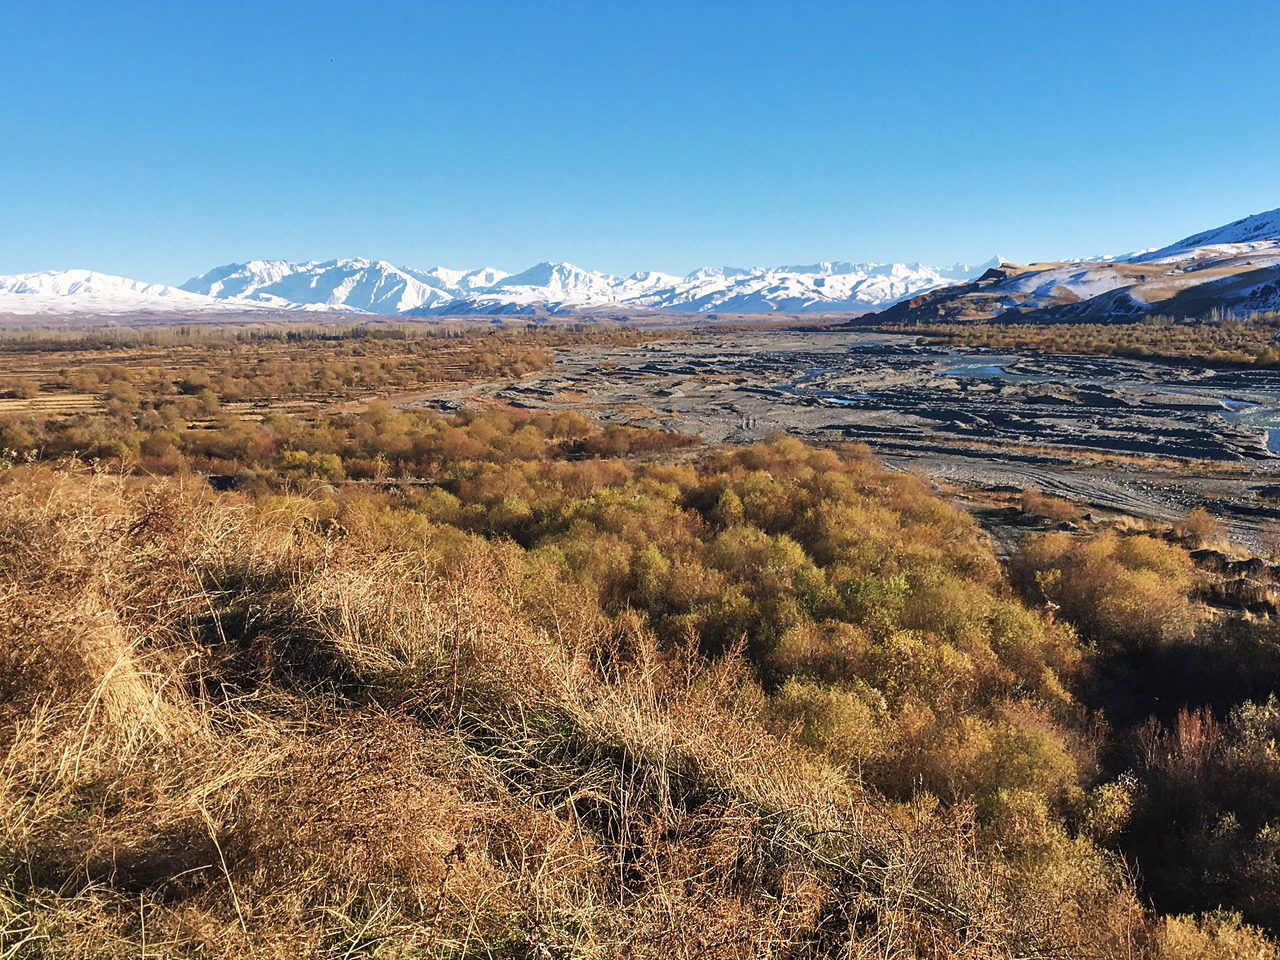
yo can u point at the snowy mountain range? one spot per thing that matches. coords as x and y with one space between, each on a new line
363 286
353 285
1235 269
379 287
84 291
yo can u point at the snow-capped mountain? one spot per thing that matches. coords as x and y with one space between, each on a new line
1235 268
84 291
350 285
356 285
830 287
375 286
802 289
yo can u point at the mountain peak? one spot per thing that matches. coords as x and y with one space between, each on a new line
557 274
87 291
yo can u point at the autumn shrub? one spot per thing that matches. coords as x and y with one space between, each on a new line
1127 591
1035 502
1216 340
1202 529
23 388
1211 936
1206 823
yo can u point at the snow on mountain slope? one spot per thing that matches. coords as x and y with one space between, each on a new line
463 281
546 287
561 282
354 284
84 291
1083 280
645 281
550 287
1234 268
1258 232
816 287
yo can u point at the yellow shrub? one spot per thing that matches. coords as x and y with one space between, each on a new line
1211 936
844 721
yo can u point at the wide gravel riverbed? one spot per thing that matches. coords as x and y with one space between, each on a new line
1148 438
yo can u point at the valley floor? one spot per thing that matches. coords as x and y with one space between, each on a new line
1152 439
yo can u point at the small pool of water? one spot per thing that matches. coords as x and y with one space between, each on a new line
987 370
1254 413
800 387
979 368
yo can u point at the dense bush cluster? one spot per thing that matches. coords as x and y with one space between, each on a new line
377 444
1120 591
1190 762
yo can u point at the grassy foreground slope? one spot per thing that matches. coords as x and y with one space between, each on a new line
775 702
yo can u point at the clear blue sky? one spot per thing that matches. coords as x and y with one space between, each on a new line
158 139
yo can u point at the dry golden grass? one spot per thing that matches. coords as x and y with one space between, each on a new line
60 404
1215 936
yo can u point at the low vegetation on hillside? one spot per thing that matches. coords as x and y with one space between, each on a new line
1214 340
504 684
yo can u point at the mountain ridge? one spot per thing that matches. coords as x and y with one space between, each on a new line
1232 269
87 291
558 286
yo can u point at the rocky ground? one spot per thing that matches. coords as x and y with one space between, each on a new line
1145 438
